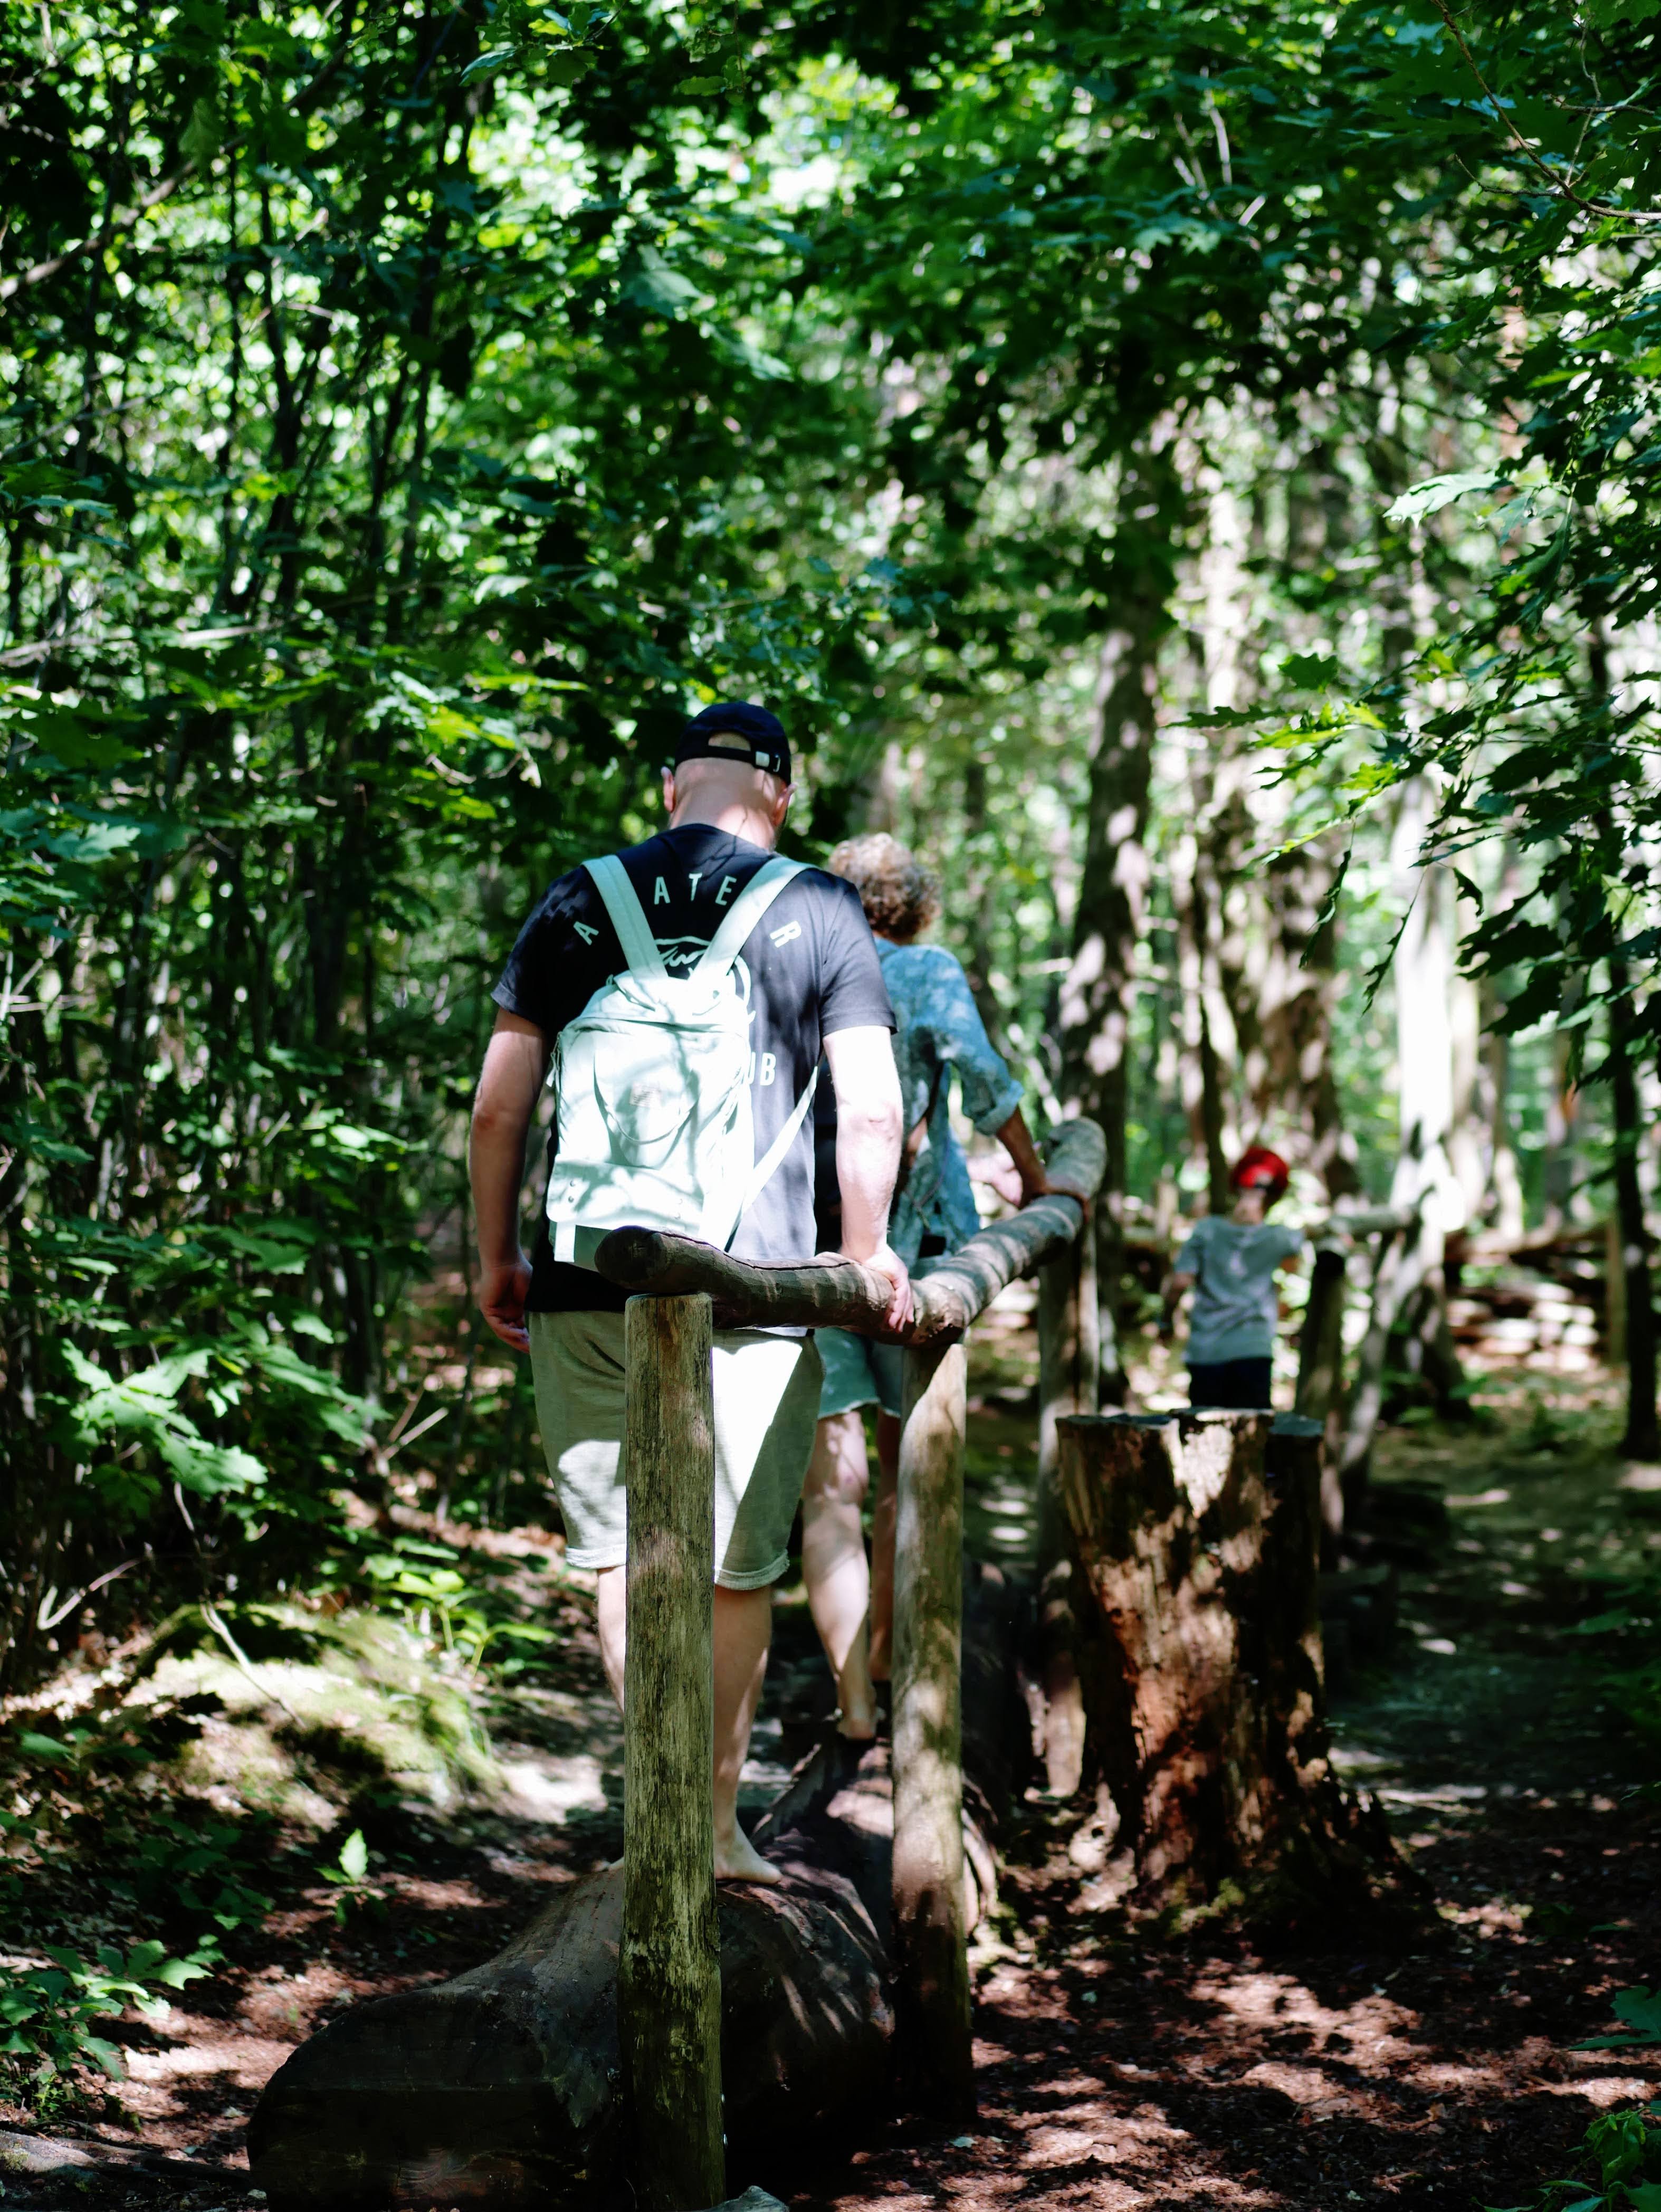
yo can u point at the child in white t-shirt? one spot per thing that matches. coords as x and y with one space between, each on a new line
1230 1262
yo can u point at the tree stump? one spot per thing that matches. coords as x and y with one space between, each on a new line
1197 1540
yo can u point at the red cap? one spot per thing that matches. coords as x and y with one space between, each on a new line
1258 1169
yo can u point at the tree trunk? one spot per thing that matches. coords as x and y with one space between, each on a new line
1507 1183
1641 1439
1562 1119
1424 1179
669 1966
1290 1073
1469 1146
1197 1537
1098 991
930 1934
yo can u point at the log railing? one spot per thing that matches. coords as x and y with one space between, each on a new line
669 2019
1320 1394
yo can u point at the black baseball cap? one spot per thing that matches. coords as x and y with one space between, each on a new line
737 729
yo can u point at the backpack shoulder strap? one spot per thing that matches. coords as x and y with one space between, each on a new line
773 1158
640 947
742 916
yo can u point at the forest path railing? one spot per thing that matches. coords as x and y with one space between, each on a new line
669 1970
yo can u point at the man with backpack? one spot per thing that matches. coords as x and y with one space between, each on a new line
684 990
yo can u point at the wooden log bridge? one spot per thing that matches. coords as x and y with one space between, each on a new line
763 2009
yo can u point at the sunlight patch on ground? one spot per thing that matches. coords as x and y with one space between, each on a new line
1608 2089
1373 2028
552 1789
1305 2084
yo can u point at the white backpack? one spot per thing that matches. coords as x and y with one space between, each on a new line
653 1079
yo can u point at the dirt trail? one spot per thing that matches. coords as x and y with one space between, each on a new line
1121 2068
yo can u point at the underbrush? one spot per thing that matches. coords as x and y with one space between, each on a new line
156 1810
1620 2168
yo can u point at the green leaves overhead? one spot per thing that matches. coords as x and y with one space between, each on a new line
407 424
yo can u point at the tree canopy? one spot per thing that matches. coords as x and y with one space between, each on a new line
1138 446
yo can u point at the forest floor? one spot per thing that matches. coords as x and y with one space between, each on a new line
1120 2065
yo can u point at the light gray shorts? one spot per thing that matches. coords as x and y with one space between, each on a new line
767 1399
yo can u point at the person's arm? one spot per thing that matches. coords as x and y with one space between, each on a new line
515 1065
1016 1140
1185 1273
990 1094
870 1127
1177 1283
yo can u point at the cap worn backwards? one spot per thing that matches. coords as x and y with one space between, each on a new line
737 729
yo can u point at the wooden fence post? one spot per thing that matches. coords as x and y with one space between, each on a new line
930 1936
1068 1382
1320 1386
669 1966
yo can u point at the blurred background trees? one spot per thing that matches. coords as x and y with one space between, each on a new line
1191 476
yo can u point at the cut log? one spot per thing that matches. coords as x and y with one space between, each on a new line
502 2088
1197 1539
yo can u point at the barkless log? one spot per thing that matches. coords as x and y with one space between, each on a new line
841 1294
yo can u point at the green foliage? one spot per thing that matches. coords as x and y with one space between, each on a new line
1641 2011
353 1892
50 2014
365 517
467 1617
1625 2150
403 426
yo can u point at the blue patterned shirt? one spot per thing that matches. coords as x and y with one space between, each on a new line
937 1029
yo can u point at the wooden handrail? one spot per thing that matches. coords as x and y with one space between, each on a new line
669 2027
949 1293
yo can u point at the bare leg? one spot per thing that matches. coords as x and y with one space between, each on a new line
611 1609
883 1515
744 1629
833 1564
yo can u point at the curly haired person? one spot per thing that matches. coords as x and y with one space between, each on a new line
939 1035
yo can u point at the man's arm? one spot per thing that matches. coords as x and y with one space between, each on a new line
515 1065
870 1127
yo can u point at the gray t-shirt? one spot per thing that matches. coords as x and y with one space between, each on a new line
1235 1307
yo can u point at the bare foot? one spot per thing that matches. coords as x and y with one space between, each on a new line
738 1860
857 1727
